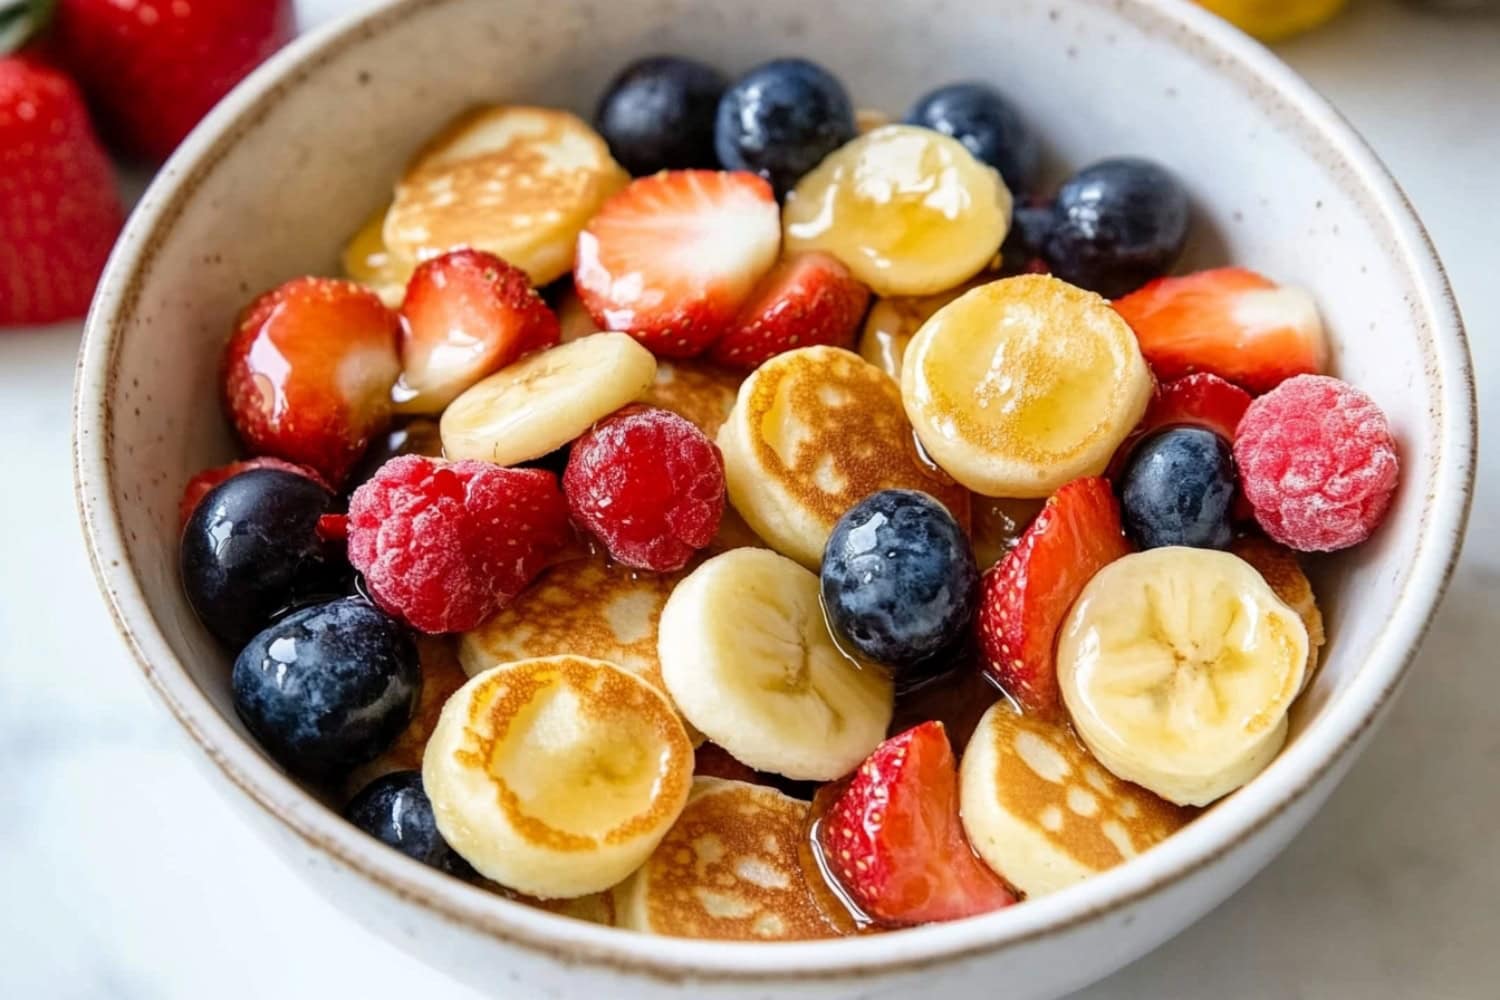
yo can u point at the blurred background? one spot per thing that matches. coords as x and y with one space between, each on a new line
124 875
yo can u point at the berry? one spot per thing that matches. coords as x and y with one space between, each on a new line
308 373
1025 597
1201 400
153 68
59 212
197 487
327 688
806 299
1116 225
649 484
1021 253
1178 489
444 545
1317 463
780 119
672 257
658 114
414 436
893 839
899 582
466 314
252 549
1228 321
395 810
988 125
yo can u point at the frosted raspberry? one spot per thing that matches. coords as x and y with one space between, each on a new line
1317 463
197 488
444 545
649 484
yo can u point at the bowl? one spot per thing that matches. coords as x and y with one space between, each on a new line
290 164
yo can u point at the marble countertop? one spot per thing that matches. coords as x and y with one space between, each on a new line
124 875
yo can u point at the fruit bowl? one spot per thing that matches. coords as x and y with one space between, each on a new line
293 161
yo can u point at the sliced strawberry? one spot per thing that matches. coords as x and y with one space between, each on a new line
1232 322
1024 597
308 373
1201 400
466 314
672 257
806 299
894 842
197 487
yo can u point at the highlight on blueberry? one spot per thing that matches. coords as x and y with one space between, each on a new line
395 810
780 119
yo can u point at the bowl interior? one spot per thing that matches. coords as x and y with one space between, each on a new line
312 147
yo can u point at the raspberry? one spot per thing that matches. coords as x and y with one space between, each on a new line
649 485
197 488
444 545
1317 463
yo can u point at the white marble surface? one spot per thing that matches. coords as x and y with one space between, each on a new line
122 874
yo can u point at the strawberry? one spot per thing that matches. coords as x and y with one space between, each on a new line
894 842
59 211
466 314
1025 597
197 488
153 68
308 373
1232 322
1201 400
806 299
672 257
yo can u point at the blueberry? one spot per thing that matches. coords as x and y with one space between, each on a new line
658 114
1116 225
988 125
899 582
252 549
395 810
1024 242
1178 490
329 687
780 119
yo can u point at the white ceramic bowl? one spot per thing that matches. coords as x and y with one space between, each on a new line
290 164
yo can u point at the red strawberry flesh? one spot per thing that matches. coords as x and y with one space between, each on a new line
806 300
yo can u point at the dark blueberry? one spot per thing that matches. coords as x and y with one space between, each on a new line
395 810
1116 225
329 687
658 114
252 549
899 582
1178 489
780 119
1024 242
988 125
415 436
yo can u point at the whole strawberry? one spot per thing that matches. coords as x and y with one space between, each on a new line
153 68
59 211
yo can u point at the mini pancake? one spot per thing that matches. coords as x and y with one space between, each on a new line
894 320
701 393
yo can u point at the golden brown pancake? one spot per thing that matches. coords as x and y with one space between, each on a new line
441 676
700 392
894 320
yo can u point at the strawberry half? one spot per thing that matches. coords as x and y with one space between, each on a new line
672 257
806 299
308 373
466 314
894 842
1234 323
1201 400
1025 597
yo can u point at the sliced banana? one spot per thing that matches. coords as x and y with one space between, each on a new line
557 776
1178 667
519 182
892 323
547 399
1042 812
368 261
910 211
1282 570
1023 384
813 432
748 659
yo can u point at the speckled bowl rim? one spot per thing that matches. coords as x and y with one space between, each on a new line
1322 133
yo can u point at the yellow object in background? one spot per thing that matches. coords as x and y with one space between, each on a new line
1274 20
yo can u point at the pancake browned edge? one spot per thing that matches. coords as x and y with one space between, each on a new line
729 869
441 676
700 392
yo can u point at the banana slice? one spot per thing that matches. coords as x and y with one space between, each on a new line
728 870
1041 811
813 432
368 261
1282 570
910 211
894 321
557 776
546 399
748 659
520 182
1178 667
1023 384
